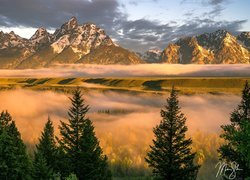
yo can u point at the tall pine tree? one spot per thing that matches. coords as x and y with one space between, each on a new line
46 153
237 136
41 170
14 161
80 144
170 156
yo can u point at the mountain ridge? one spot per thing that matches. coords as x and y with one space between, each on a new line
219 47
87 43
68 44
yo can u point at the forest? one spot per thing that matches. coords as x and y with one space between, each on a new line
76 152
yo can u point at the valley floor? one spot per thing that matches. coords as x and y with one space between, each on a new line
185 85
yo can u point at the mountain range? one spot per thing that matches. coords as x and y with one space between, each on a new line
219 47
73 43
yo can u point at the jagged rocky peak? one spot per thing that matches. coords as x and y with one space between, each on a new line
171 54
152 55
155 51
71 24
213 40
222 36
12 33
82 39
66 28
221 33
245 34
187 41
40 32
209 48
12 40
40 38
244 37
95 34
90 29
14 36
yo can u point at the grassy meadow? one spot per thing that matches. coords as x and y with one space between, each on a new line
185 85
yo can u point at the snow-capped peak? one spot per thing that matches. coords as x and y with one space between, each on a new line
10 40
13 35
220 35
71 24
155 51
81 39
66 28
41 38
39 33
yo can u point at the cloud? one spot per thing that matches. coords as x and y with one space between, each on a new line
135 3
141 70
209 2
39 13
215 2
142 112
144 34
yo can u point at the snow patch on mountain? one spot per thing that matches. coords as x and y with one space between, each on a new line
61 44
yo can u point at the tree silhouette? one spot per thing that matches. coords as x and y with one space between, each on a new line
170 156
237 136
80 144
14 161
46 153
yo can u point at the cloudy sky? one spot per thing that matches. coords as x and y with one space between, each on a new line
134 24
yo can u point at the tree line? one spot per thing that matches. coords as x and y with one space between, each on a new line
76 153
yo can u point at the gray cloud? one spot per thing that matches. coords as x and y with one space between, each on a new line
135 3
158 35
51 13
210 2
216 2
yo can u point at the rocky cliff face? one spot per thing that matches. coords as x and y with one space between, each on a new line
13 49
152 56
220 47
69 44
244 37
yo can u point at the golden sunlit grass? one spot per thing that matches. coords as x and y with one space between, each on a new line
128 158
151 85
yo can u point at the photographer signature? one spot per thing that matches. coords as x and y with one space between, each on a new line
227 170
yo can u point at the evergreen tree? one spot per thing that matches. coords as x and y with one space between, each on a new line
41 170
14 161
46 152
80 144
170 156
237 136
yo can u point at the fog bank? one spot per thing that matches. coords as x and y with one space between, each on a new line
141 70
136 114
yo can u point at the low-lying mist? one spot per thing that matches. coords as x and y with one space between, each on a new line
141 70
30 110
124 121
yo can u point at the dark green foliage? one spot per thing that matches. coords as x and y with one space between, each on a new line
41 170
14 161
237 136
80 145
46 153
71 177
170 156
